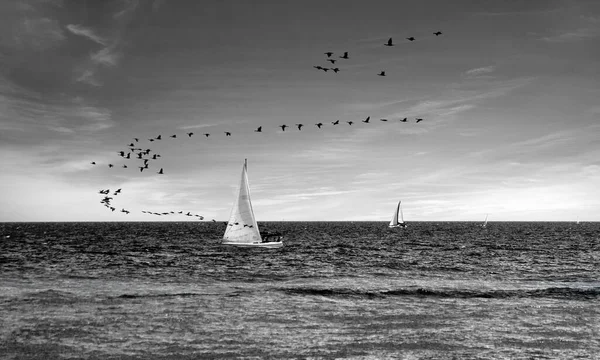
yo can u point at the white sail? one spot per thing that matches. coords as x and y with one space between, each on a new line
242 227
398 218
485 221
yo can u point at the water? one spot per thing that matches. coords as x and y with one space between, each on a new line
336 290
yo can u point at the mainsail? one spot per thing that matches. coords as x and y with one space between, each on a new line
398 218
485 221
242 227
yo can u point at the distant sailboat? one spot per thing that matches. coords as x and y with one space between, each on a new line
242 229
398 213
485 221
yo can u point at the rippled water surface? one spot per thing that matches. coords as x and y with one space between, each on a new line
335 290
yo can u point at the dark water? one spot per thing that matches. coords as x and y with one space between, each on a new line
335 290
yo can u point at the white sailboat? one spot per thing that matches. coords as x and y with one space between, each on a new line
242 229
485 221
398 218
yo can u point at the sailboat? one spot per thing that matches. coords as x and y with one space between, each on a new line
395 221
242 229
485 221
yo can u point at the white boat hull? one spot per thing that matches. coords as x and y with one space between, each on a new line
271 245
397 226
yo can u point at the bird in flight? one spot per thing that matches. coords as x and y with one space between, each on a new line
404 120
329 53
190 134
124 166
335 70
319 125
158 137
299 126
227 133
283 127
389 42
366 121
160 171
381 73
207 135
318 67
93 163
383 120
335 122
110 165
345 56
173 136
259 129
332 61
150 140
136 139
350 122
419 120
142 168
410 38
325 69
437 33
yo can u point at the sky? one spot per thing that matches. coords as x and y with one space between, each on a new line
508 94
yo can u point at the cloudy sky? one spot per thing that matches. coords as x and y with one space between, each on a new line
509 94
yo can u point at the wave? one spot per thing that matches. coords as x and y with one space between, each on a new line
553 292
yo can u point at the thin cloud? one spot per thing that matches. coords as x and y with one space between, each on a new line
107 57
86 32
575 35
480 71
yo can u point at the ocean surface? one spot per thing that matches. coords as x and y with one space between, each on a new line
336 290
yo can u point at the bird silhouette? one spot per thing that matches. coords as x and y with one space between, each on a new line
283 127
124 166
350 122
367 120
173 136
136 139
437 33
155 156
227 133
318 67
150 140
329 53
419 120
335 70
319 125
381 73
110 165
93 163
335 122
325 69
383 120
121 153
331 61
139 155
259 129
404 120
160 171
299 126
345 56
158 137
190 134
389 42
410 38
141 168
207 135
130 145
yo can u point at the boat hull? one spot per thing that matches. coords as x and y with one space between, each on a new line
397 226
270 245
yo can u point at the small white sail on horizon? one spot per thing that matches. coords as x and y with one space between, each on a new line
242 229
398 218
485 221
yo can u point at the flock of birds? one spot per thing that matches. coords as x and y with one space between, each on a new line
346 56
134 152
